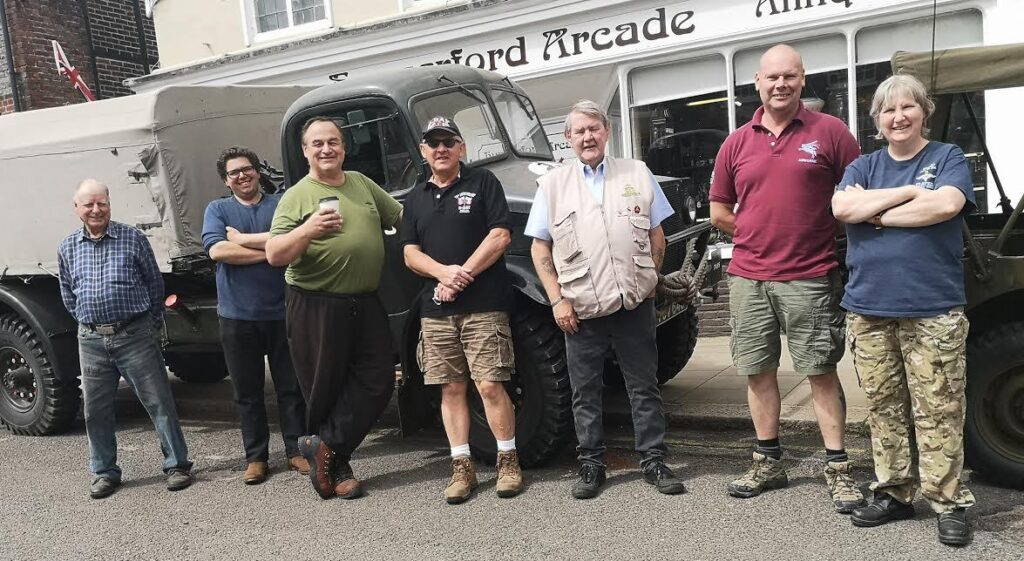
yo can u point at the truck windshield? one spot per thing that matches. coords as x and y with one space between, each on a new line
520 119
476 122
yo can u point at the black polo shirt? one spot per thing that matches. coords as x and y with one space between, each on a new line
449 225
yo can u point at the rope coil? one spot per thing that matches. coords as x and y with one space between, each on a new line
683 286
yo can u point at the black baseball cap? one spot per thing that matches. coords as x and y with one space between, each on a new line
441 124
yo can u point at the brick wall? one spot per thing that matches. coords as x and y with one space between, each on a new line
106 48
6 101
713 318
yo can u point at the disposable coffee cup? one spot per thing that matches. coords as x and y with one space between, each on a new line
331 203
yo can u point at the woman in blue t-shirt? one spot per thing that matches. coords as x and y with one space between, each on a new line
906 324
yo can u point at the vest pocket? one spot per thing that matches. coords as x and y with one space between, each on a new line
646 276
566 243
578 288
641 232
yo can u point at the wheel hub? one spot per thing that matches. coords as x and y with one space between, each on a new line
17 380
1005 404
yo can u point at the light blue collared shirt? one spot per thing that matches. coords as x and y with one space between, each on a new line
537 223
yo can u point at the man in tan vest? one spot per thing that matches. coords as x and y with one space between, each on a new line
598 246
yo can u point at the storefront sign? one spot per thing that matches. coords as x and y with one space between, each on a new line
776 7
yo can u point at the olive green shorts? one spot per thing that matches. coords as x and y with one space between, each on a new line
807 311
461 347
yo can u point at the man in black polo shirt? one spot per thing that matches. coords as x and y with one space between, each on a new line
455 230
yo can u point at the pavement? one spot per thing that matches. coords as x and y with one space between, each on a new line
708 390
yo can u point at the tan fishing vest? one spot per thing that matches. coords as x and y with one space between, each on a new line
602 253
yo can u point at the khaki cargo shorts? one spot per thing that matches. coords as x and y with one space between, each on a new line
466 346
807 311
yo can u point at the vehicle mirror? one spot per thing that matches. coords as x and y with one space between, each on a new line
360 132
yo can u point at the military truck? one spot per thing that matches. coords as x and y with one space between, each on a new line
994 265
156 153
382 115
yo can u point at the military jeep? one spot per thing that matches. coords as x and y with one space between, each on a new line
382 114
994 269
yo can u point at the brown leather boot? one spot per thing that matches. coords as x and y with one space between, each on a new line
347 486
299 464
510 475
320 458
463 481
255 473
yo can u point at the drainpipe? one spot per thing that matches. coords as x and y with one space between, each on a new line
92 49
9 54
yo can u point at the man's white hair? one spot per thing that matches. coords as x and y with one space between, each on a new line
590 109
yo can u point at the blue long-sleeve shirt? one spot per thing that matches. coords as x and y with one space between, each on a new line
111 279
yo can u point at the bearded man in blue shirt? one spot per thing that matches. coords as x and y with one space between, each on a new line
111 284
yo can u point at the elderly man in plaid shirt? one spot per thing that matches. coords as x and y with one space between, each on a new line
111 284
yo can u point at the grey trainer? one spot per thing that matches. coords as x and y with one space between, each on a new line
765 473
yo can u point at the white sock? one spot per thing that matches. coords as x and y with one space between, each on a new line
461 450
507 445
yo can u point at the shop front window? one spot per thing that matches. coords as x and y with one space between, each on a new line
874 49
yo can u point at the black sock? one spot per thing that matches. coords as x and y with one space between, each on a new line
836 455
769 448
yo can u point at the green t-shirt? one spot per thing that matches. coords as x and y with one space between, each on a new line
345 262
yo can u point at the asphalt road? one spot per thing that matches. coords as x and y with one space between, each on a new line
46 514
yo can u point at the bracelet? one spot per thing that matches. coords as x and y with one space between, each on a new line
878 219
557 301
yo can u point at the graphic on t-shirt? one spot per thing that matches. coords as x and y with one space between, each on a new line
465 201
924 179
812 149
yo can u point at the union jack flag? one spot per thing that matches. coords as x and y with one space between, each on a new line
64 67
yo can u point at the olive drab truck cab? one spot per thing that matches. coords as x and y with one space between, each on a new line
382 114
993 264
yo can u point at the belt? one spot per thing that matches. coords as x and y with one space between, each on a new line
111 328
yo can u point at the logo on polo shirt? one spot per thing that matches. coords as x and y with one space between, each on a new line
465 201
630 191
924 179
810 148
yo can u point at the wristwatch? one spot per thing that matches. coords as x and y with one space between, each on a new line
878 219
557 301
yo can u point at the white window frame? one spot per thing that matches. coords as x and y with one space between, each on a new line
252 35
425 5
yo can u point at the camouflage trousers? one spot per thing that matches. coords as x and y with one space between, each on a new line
913 372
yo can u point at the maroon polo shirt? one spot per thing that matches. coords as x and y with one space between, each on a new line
783 188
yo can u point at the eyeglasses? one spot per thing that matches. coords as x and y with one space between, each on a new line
448 142
236 172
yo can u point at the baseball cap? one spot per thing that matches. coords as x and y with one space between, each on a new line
441 124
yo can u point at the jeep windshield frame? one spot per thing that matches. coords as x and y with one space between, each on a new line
484 126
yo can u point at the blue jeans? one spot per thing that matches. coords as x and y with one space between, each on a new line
134 354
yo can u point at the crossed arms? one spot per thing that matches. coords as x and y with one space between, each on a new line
908 206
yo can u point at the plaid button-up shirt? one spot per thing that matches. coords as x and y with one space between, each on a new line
110 279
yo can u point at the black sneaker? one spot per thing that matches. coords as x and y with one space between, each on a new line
658 474
882 510
591 478
178 479
103 487
954 529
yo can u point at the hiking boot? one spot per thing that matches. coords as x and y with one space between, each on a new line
882 510
846 496
765 473
591 476
255 473
658 474
463 481
320 458
510 475
346 486
953 528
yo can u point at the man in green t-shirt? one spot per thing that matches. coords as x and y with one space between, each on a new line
328 230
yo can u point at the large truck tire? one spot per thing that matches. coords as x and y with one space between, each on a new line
677 339
994 428
197 368
539 391
33 400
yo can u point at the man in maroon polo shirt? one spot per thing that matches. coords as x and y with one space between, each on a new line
773 182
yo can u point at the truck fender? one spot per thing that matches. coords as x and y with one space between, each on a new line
40 305
525 279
